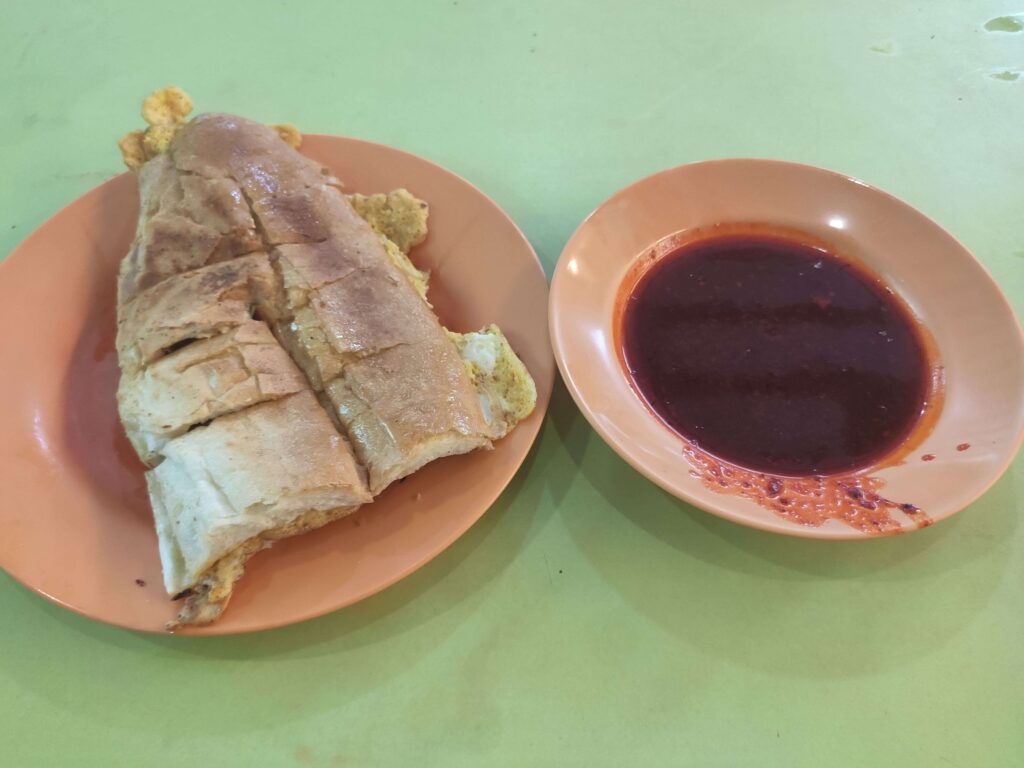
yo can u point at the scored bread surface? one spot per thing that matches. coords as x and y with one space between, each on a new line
280 364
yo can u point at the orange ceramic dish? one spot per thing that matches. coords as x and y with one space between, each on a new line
975 418
75 523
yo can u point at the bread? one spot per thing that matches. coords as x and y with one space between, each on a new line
206 379
196 305
186 222
244 474
280 362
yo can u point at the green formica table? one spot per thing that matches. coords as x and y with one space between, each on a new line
589 619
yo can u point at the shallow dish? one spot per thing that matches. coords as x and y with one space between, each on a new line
963 446
75 523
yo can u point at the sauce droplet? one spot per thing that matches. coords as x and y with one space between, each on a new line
928 457
810 501
963 446
1004 24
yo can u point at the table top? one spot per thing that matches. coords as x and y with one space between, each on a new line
589 618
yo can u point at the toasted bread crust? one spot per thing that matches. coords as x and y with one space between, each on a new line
280 362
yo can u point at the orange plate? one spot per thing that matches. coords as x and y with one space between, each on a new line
75 522
978 340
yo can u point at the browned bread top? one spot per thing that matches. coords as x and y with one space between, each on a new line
195 305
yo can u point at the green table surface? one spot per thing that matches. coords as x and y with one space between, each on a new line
589 618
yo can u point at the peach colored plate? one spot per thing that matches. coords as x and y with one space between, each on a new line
75 523
969 441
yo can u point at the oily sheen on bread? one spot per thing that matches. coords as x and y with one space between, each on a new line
280 362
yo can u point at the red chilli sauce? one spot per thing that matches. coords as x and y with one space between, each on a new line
787 370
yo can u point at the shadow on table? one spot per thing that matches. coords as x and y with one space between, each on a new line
322 664
800 607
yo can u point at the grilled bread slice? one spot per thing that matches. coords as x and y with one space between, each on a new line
280 362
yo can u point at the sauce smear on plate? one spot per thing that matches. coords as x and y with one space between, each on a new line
775 354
